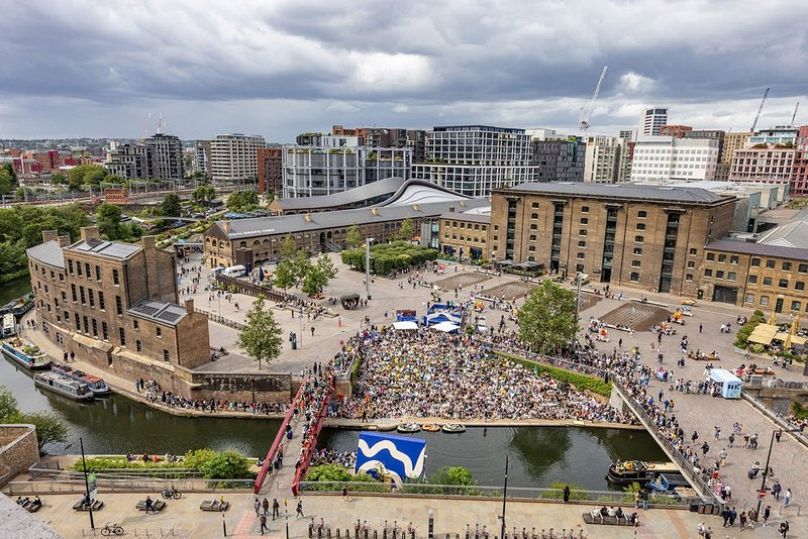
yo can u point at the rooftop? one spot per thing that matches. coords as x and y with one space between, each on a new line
158 311
682 195
49 253
791 234
481 214
760 249
291 224
352 196
111 249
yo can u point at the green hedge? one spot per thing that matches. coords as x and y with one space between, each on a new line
742 337
580 381
388 257
211 464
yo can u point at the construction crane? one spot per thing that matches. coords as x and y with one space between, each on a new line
586 114
760 109
794 116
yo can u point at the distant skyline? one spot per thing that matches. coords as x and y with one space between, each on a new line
78 68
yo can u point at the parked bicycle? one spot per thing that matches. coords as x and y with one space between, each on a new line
171 492
111 529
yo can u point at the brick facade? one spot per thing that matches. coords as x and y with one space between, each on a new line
19 451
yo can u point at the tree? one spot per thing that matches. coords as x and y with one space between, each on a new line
86 175
284 274
204 195
261 338
288 247
241 201
547 320
109 221
8 405
226 465
8 179
49 428
57 178
354 237
171 205
407 230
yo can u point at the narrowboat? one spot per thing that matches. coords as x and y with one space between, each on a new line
638 471
25 354
18 307
61 385
97 385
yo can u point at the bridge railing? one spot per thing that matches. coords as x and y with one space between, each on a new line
250 289
273 449
308 449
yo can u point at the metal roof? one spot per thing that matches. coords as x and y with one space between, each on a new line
760 249
468 216
685 195
369 191
112 249
158 311
791 234
49 253
295 223
422 192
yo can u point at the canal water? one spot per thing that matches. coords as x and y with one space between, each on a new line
539 456
14 289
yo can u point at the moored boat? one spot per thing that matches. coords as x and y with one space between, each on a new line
453 428
430 427
25 354
97 385
408 428
638 471
64 386
18 307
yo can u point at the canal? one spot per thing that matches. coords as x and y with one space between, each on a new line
14 289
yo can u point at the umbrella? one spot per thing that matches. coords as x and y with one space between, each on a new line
407 324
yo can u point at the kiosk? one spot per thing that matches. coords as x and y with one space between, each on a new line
730 384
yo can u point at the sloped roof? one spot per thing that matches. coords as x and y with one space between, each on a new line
676 194
369 191
158 311
49 253
791 234
112 249
761 249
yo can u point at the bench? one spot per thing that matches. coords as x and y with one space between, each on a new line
613 521
214 505
157 505
81 506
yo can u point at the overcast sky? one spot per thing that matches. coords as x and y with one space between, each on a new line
276 68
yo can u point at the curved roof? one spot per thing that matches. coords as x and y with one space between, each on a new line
49 253
422 192
344 198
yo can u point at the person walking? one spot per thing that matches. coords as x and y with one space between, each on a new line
787 498
299 513
700 327
276 509
776 488
767 512
257 506
722 457
566 493
265 506
783 530
263 520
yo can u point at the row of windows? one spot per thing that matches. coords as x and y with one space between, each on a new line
763 301
90 325
88 271
45 272
454 224
88 295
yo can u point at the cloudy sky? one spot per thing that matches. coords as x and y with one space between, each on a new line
276 68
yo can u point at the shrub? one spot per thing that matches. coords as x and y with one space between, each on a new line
452 475
196 458
226 465
758 348
577 492
580 381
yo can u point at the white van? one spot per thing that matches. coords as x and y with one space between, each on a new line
235 271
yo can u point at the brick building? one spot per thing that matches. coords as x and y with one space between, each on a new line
270 170
465 234
624 235
114 304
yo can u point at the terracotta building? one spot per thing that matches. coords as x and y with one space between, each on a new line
270 175
624 235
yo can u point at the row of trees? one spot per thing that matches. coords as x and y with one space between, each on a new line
296 269
8 179
241 201
49 428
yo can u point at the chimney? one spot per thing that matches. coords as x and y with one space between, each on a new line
50 235
64 240
90 233
189 305
451 209
148 242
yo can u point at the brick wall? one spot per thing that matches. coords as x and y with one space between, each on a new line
19 451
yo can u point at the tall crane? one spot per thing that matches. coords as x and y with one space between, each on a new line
794 116
760 109
586 113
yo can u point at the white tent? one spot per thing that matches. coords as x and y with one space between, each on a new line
405 325
446 327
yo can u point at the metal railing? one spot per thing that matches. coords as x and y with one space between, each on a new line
77 486
780 420
221 319
476 491
140 532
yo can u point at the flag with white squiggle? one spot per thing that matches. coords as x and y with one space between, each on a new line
399 457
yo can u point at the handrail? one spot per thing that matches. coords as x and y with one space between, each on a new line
273 449
308 451
781 421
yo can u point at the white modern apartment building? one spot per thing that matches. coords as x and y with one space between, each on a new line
670 158
473 159
336 163
602 159
234 157
652 120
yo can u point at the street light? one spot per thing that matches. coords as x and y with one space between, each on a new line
766 469
367 266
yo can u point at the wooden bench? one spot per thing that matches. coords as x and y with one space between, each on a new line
612 521
157 505
81 506
214 505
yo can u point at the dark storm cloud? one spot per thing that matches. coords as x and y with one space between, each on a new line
400 62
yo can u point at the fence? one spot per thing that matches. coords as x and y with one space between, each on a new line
140 532
221 319
70 484
308 449
475 491
781 421
250 289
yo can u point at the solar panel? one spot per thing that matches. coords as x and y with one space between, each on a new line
146 309
169 316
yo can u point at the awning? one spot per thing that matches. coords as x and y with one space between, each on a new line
763 334
446 327
405 325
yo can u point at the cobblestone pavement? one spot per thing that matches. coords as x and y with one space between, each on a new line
702 413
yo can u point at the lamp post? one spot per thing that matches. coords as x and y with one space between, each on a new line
367 266
766 469
504 498
87 485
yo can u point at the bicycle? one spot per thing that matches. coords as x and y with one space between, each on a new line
111 529
171 492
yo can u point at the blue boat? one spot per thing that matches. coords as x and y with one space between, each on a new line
25 354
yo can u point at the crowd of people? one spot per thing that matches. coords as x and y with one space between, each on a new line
428 374
153 392
332 456
317 386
